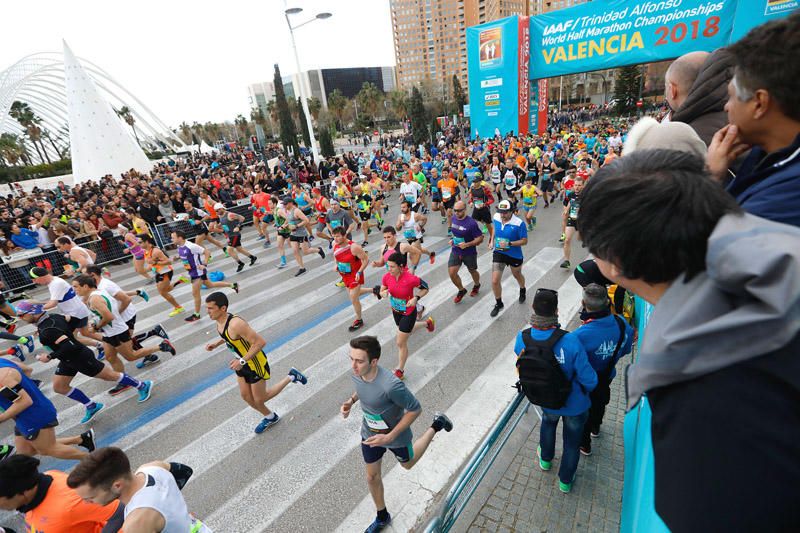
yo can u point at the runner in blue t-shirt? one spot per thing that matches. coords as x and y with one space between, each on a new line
510 235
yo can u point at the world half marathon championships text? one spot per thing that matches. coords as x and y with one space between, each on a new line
581 28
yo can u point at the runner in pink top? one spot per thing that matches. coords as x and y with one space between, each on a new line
398 285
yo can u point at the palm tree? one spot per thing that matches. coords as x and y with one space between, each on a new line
337 103
185 132
370 99
399 102
242 127
22 113
10 149
314 107
46 135
125 114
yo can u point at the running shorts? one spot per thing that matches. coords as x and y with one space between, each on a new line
482 215
405 323
35 434
235 240
77 323
352 279
119 339
374 454
298 238
83 362
261 371
456 260
160 276
500 260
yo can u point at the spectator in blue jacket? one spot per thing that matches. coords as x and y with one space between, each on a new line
606 338
24 238
764 112
574 363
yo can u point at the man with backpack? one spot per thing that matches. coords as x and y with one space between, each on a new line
555 374
606 337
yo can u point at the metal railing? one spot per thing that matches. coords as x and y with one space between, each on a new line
478 466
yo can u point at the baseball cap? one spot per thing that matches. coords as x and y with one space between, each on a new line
331 173
504 206
219 206
545 302
27 308
38 272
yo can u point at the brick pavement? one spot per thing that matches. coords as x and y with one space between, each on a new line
526 499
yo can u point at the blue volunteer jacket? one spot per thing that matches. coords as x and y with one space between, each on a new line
599 338
575 364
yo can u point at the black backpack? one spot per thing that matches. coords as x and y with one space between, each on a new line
541 378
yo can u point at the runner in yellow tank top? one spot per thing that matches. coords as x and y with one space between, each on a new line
249 362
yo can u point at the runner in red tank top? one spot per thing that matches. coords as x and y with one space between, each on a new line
321 206
351 260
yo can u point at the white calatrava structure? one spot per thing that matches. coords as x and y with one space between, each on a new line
77 101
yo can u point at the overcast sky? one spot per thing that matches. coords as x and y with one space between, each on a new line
193 60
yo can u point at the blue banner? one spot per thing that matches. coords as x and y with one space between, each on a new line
493 77
601 35
752 13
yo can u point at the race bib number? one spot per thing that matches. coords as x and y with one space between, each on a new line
376 423
458 240
502 244
410 198
527 200
335 223
398 304
511 181
410 233
344 268
186 265
478 204
446 195
546 176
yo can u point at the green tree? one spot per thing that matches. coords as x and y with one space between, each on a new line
338 104
125 114
419 127
326 142
398 100
24 115
370 100
458 95
314 107
288 131
303 123
626 89
11 149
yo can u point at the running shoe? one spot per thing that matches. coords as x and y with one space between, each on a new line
16 351
147 361
586 450
176 311
378 524
225 251
266 423
562 238
194 317
300 272
310 238
544 465
240 267
321 252
496 309
159 330
564 487
267 244
522 295
253 259
91 411
330 245
260 238
118 388
167 346
399 374
595 434
11 326
444 220
433 257
182 279
356 325
143 295
87 440
565 264
475 289
376 290
430 324
146 391
282 264
6 451
182 473
442 422
297 376
460 296
101 353
235 287
365 243
339 283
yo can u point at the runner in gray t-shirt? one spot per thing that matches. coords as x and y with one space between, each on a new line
389 409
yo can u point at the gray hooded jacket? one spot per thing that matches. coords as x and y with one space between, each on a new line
745 305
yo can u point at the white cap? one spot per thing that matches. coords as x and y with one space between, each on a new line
219 206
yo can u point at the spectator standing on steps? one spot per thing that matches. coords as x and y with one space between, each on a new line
605 337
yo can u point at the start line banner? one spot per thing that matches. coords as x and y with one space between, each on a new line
600 35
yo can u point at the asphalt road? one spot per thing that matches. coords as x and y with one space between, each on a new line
306 473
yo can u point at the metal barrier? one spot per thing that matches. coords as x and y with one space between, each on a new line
162 232
14 270
479 464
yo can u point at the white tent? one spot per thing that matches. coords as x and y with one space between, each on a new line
100 143
205 148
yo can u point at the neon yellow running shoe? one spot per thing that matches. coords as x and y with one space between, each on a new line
176 311
340 283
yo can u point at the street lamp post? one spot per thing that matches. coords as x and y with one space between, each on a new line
301 90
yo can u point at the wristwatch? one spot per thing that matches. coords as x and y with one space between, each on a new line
243 361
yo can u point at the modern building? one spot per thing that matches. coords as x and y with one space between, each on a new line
320 83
